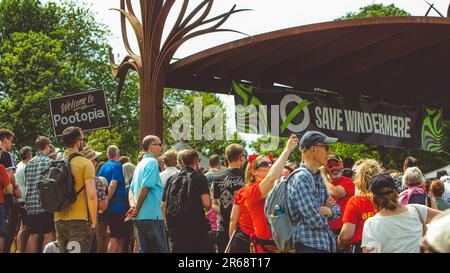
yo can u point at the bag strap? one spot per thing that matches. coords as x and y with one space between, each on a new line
424 226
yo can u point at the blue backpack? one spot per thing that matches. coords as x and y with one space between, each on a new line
278 215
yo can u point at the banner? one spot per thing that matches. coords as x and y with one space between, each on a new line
87 110
281 112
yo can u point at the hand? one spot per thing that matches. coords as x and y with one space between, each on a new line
330 202
292 143
131 213
325 211
340 244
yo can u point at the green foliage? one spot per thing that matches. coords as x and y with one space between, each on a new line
375 10
176 97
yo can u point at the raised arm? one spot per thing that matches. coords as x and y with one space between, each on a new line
275 172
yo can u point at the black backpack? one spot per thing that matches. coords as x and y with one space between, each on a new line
57 185
177 198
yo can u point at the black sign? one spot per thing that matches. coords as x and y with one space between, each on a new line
282 112
88 110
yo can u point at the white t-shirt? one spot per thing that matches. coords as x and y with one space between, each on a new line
167 173
20 179
401 233
446 195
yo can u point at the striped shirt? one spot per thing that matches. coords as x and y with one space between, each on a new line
33 172
305 197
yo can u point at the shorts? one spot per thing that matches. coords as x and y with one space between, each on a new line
2 221
23 214
74 236
101 218
41 223
117 227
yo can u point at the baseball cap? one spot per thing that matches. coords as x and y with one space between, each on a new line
90 154
334 156
311 138
381 181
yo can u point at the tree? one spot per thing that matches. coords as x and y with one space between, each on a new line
48 50
375 10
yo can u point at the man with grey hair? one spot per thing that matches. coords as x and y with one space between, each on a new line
145 196
117 201
415 192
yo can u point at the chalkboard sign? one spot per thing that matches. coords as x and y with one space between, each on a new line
87 110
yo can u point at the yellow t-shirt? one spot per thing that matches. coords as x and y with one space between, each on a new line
82 169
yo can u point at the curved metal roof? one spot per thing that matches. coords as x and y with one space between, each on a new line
395 59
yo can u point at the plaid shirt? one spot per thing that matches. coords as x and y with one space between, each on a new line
33 172
304 198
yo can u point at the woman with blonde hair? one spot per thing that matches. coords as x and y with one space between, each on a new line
359 207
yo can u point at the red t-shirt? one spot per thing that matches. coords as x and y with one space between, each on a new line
349 187
255 205
358 210
245 220
4 182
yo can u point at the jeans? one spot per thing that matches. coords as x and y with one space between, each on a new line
152 236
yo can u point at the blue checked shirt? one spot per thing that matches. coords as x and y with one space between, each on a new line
305 197
33 172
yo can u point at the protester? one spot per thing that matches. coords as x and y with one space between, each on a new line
340 188
53 153
170 160
241 223
261 175
185 200
441 173
5 188
437 237
40 221
124 159
212 215
77 222
414 193
101 185
446 180
117 201
308 200
224 186
347 167
26 154
437 190
145 198
395 228
12 209
359 208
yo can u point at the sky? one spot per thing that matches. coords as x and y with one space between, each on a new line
265 16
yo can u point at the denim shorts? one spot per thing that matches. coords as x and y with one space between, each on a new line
2 221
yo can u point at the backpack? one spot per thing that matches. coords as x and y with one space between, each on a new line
57 185
278 214
177 198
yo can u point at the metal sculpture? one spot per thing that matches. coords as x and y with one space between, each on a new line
155 54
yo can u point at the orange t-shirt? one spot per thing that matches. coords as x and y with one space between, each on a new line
255 205
245 220
358 210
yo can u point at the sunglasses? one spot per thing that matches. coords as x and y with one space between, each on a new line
333 165
263 164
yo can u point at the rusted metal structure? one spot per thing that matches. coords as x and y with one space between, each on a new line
152 62
404 60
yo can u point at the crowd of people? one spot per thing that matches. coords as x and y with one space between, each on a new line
167 203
